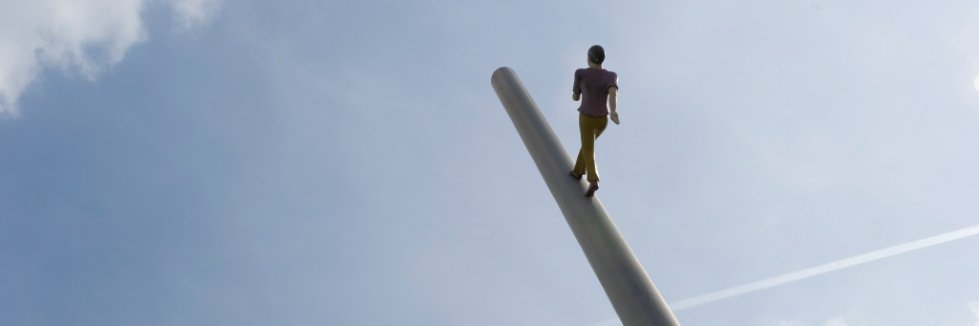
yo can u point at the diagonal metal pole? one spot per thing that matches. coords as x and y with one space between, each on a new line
632 293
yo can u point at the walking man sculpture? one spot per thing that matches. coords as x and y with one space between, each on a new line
596 88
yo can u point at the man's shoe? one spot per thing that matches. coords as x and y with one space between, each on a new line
575 176
592 187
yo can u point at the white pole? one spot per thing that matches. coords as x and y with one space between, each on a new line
632 293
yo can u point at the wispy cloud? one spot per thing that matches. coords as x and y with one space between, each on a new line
78 36
788 323
974 306
191 13
837 321
825 268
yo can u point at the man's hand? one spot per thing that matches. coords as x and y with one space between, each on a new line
614 116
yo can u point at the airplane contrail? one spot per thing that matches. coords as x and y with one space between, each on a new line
818 270
825 268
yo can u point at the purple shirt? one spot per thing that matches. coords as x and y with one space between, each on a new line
593 85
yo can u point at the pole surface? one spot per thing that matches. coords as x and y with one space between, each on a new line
632 293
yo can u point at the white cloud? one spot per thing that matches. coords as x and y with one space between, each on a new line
190 13
837 321
974 306
83 36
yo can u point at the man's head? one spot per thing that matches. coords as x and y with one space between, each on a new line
596 54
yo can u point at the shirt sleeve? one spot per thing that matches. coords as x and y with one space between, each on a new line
614 81
576 88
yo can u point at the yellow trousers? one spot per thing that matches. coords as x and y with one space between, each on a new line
591 127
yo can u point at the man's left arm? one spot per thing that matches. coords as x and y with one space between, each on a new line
612 103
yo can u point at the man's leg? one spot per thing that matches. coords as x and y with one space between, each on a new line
589 127
579 164
602 123
598 125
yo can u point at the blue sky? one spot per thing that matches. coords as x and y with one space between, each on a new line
202 162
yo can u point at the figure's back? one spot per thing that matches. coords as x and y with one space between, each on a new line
593 84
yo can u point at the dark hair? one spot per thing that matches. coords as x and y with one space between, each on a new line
596 54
